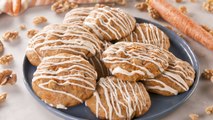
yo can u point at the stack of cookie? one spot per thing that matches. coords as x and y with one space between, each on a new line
102 57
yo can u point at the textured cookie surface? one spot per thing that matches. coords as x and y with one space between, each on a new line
77 15
64 80
149 34
176 79
62 38
110 23
117 99
133 61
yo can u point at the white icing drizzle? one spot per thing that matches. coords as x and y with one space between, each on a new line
138 51
105 17
131 97
73 39
150 35
77 14
179 72
75 65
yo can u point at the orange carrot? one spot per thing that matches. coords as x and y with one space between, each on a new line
182 22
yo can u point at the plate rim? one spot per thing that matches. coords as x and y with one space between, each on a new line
195 65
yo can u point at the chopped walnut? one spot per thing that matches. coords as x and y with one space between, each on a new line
153 13
178 1
31 33
103 5
22 27
183 9
10 35
169 27
3 97
63 5
194 116
209 110
141 6
208 74
1 47
208 5
39 20
6 59
7 77
121 2
206 28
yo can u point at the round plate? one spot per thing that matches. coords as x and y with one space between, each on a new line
160 105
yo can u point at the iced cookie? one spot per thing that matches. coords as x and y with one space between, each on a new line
64 80
133 61
110 23
115 99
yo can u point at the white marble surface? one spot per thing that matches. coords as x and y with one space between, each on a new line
21 105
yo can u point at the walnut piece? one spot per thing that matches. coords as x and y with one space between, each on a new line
121 2
141 6
178 1
6 59
208 5
10 35
153 13
183 9
194 116
7 77
39 20
211 32
63 5
209 110
31 33
1 47
208 74
3 97
22 27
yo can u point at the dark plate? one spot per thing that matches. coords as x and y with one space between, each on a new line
160 105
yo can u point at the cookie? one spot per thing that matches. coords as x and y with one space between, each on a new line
149 34
64 80
77 15
63 38
110 23
178 77
115 99
133 61
99 66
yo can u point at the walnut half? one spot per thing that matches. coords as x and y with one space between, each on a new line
3 97
208 74
6 59
7 77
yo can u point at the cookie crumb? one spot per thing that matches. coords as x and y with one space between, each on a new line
209 110
178 1
63 5
169 27
3 97
31 33
208 6
141 6
39 20
6 59
208 74
193 116
22 27
183 9
153 13
7 77
1 47
10 35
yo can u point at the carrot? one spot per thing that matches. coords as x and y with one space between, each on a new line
182 22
